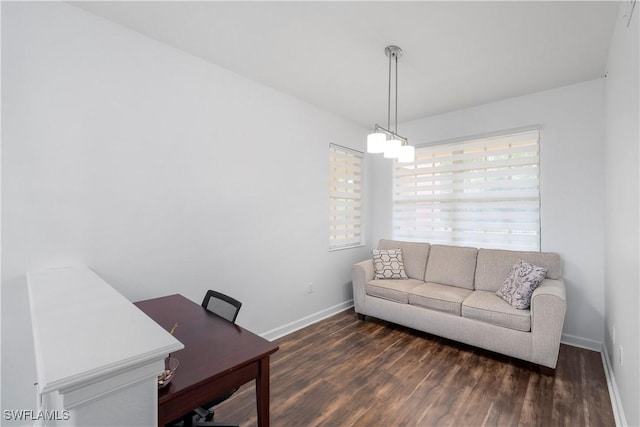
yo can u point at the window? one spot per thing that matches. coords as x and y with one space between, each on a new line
481 193
345 197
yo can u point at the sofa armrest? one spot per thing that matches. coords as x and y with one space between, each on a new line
361 274
548 308
550 287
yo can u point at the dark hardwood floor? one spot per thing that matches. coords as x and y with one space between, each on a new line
346 372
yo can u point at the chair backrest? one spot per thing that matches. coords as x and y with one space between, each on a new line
222 305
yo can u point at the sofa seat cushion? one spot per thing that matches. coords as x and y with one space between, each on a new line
439 297
487 307
392 289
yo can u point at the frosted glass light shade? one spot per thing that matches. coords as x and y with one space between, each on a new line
392 148
406 154
375 142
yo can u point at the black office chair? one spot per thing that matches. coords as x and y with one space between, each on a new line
222 305
227 308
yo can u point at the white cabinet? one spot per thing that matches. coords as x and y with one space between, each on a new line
97 355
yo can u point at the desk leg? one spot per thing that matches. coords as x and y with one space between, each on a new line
262 393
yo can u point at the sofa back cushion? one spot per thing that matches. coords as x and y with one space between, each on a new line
414 256
494 265
451 265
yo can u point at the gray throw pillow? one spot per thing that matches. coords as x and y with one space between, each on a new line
519 285
388 264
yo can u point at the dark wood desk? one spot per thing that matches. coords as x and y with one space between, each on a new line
218 356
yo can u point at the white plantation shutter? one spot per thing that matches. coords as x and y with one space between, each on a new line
483 193
345 197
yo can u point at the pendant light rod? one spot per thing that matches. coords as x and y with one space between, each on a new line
396 56
393 53
389 92
385 140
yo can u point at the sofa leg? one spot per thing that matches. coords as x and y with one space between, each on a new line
362 317
546 371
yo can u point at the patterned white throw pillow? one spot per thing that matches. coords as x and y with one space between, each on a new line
388 264
519 285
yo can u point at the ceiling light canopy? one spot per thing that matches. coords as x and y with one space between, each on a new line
384 140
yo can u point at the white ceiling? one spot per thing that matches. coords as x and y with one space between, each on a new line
331 54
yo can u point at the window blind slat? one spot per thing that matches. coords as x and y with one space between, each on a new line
515 139
448 207
493 195
346 185
459 167
505 216
497 173
338 204
471 158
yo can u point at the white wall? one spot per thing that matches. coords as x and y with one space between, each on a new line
622 218
161 172
572 189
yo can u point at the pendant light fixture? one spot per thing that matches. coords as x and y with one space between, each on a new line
384 140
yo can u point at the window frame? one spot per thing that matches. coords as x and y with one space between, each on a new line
344 161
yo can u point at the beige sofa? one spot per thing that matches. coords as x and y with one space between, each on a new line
451 292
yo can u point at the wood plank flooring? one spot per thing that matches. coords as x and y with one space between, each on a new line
346 372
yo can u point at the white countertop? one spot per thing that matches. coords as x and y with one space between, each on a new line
85 330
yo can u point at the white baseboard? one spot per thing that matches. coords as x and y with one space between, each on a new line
586 343
306 321
616 403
